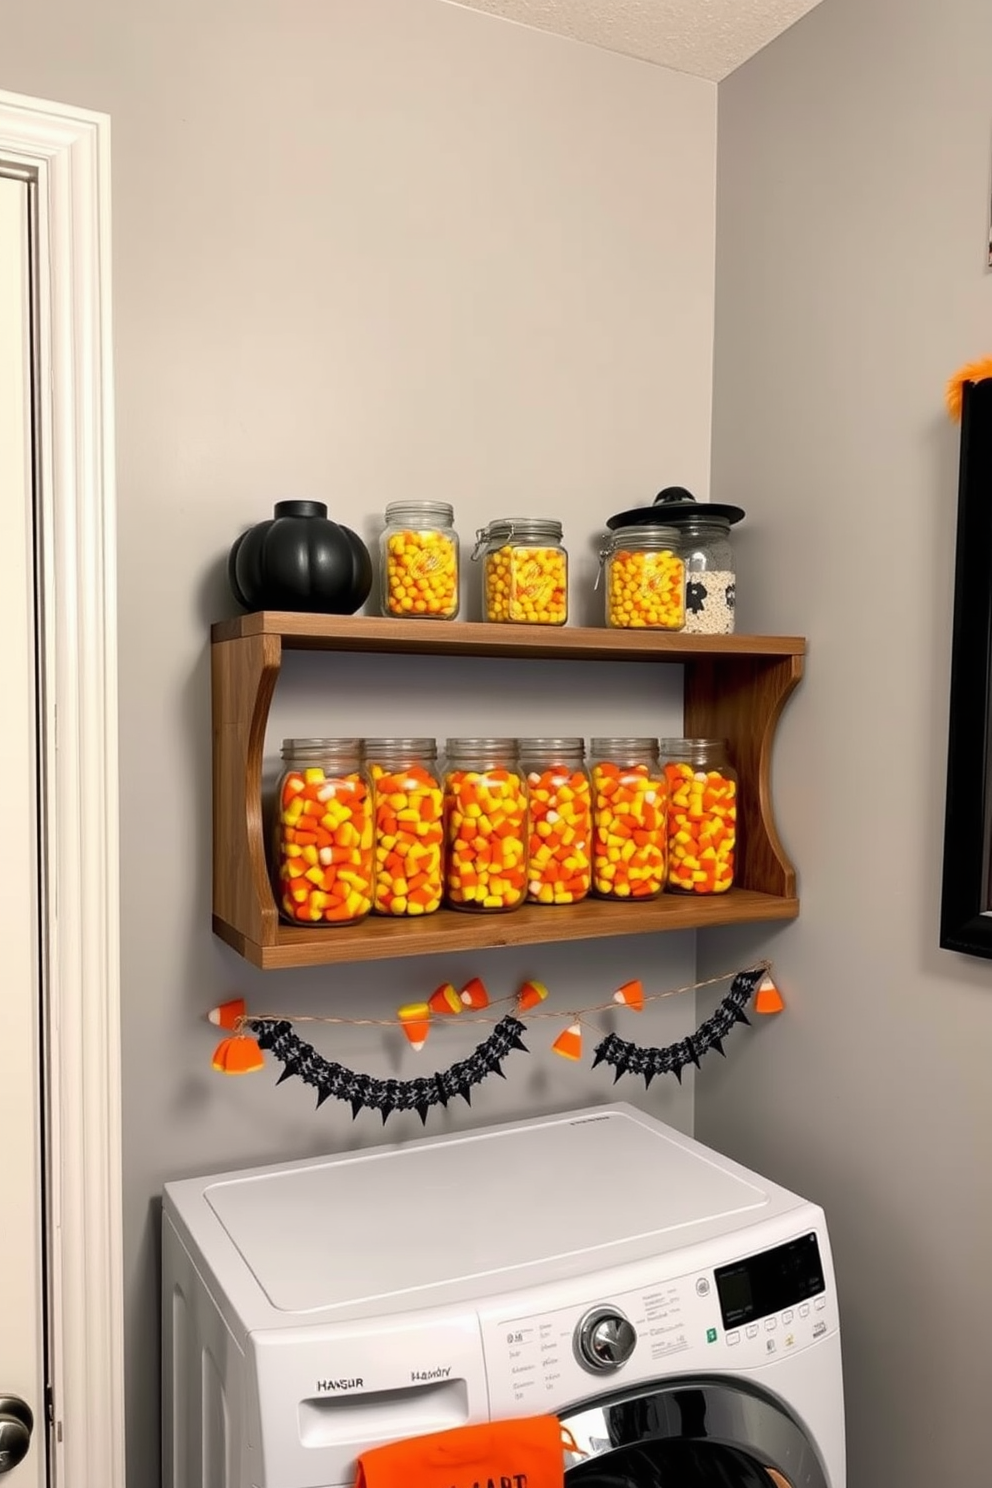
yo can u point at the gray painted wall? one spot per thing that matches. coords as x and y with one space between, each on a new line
853 198
365 248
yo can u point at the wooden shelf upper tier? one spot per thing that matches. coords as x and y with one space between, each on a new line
449 930
304 632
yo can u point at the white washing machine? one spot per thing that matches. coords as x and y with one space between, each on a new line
675 1310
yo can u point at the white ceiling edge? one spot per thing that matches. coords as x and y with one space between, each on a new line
707 38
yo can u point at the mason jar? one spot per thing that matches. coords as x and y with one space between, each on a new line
702 815
324 856
645 579
629 819
418 560
710 578
559 856
485 813
524 571
408 814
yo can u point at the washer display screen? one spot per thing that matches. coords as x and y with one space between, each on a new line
769 1281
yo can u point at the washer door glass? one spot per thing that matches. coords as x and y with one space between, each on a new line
676 1464
691 1433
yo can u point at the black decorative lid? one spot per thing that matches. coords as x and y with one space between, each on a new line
674 505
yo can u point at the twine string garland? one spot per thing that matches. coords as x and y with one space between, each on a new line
361 1091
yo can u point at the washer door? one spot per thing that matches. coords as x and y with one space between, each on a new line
692 1433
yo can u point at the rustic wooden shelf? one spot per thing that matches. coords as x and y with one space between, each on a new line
735 689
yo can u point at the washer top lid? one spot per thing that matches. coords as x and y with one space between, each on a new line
397 1222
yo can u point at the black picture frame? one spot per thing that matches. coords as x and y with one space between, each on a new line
966 897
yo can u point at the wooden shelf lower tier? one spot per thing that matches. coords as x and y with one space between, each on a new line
448 930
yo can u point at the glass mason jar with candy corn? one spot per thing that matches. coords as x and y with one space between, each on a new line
324 857
702 815
419 555
559 858
485 815
409 826
645 579
629 819
524 571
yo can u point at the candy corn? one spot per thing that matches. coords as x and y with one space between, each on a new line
702 822
531 994
422 574
486 814
768 999
239 1055
629 833
325 857
559 868
416 1020
645 589
631 995
527 584
445 1000
569 1043
229 1014
474 994
408 841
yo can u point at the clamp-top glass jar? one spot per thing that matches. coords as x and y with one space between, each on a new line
323 848
702 815
524 571
409 831
485 813
559 860
419 555
645 579
629 820
710 577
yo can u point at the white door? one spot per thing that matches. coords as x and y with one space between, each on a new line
22 1377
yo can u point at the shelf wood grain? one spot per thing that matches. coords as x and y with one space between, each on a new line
735 689
449 930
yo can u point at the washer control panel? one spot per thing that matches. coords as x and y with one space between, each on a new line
679 1325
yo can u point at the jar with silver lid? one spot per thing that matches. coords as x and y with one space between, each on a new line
524 571
409 830
418 553
559 858
324 857
485 816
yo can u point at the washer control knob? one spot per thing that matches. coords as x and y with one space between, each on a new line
604 1340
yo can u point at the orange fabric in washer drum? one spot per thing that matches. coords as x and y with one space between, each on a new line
528 1453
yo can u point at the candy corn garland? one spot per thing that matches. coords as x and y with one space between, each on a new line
247 1036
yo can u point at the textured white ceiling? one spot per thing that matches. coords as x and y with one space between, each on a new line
708 38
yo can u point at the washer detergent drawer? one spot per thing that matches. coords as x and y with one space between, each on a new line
318 1396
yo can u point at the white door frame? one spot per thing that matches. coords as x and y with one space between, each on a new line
68 151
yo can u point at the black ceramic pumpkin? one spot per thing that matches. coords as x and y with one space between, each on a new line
299 560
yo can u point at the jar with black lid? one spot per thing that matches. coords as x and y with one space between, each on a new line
703 542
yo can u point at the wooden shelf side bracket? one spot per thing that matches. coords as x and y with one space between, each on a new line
740 699
243 679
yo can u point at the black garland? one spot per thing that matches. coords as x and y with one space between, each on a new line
634 1059
366 1093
